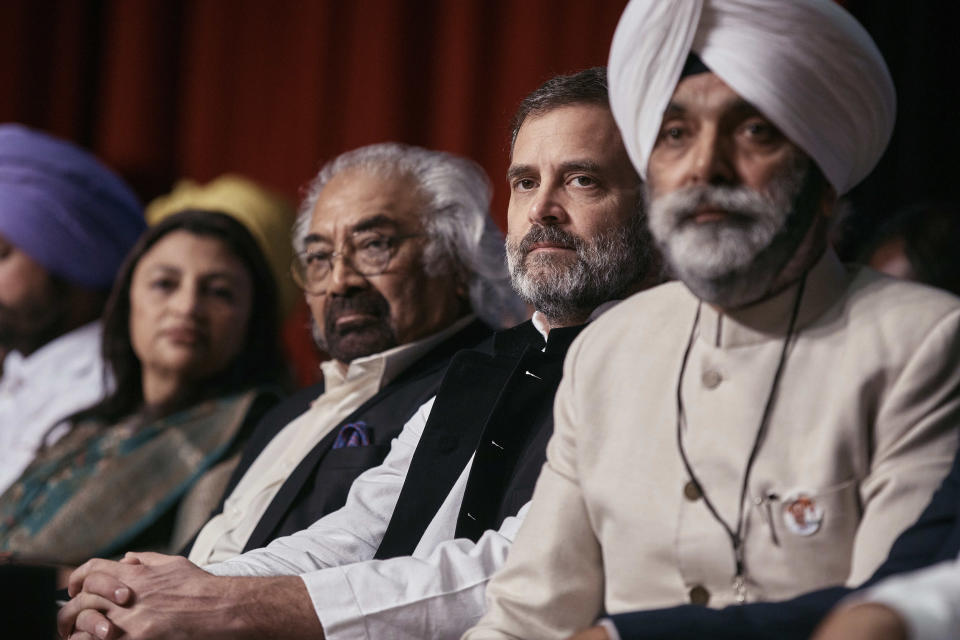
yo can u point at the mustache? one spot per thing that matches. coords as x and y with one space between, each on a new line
548 234
683 204
369 302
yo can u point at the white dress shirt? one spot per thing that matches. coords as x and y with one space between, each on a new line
39 391
345 389
436 593
928 600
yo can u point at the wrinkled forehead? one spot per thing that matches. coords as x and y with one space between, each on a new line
575 129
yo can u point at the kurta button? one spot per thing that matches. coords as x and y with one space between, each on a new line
699 595
691 491
711 378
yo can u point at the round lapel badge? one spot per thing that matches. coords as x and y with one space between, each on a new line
802 514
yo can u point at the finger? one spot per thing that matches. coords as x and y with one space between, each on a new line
108 586
149 557
96 624
82 635
130 558
75 583
67 616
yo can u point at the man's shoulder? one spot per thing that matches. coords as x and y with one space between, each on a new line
879 299
636 316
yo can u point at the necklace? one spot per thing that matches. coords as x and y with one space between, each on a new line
735 535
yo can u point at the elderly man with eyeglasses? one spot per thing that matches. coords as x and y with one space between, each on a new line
394 249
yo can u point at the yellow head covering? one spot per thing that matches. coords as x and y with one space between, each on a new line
267 216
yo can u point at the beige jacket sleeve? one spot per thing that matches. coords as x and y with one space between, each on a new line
914 437
532 596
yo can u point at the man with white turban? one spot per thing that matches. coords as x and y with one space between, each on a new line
770 424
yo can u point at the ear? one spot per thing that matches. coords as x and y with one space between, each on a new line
461 287
828 201
462 290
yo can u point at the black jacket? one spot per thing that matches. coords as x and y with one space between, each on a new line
319 484
495 401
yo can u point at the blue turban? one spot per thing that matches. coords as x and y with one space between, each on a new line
63 208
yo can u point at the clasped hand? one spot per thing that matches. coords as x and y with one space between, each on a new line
145 595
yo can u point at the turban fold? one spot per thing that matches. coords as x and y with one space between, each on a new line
807 65
63 208
265 215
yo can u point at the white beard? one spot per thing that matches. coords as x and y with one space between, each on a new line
734 261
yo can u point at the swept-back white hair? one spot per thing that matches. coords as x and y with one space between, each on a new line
807 65
464 240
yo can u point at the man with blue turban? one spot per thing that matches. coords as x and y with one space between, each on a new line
66 223
769 424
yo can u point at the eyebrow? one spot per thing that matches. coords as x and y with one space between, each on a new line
737 106
517 170
674 109
565 167
589 166
376 221
172 269
743 108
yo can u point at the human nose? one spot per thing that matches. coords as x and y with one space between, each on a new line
712 160
343 275
545 209
186 299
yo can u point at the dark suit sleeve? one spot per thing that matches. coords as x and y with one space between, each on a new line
793 619
935 537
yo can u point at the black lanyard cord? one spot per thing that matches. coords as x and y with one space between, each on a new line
736 540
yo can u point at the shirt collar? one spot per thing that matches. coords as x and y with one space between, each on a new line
73 349
825 284
390 363
543 327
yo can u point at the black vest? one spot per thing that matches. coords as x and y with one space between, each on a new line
495 401
320 483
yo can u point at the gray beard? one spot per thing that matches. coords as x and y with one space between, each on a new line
734 262
566 290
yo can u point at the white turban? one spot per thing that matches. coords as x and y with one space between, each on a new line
807 65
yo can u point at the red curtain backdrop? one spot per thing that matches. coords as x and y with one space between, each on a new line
163 89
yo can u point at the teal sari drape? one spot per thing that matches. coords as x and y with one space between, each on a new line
100 486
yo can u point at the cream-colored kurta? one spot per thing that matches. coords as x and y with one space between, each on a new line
865 424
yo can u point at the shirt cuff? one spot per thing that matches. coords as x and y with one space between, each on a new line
335 604
610 628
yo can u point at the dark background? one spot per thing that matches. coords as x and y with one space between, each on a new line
162 89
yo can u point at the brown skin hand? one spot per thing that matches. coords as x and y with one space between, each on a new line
863 622
593 633
150 596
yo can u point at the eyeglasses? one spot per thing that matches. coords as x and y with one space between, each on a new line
367 253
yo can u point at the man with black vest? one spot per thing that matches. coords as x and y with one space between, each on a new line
418 253
410 553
